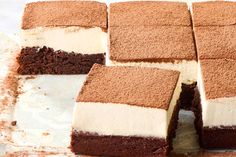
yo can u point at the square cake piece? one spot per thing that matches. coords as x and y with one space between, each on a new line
154 34
62 37
149 13
215 108
152 45
216 42
126 111
214 13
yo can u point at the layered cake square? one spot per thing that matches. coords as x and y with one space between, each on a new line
154 34
216 42
214 13
62 37
215 30
149 13
126 111
215 106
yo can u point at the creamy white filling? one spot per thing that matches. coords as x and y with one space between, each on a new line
77 39
124 119
188 69
216 112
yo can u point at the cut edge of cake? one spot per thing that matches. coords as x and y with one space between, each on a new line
114 133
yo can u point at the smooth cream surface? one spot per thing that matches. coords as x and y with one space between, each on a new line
123 119
77 39
188 69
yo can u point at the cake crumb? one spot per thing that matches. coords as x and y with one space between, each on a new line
45 134
30 77
13 123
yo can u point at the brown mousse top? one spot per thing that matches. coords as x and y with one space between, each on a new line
219 78
151 43
216 42
65 13
139 86
216 13
149 13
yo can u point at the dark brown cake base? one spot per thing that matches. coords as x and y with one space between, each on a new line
35 60
222 137
89 144
131 146
187 95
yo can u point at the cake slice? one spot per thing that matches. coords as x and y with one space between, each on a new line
216 42
214 13
154 34
215 108
126 111
62 37
149 13
215 30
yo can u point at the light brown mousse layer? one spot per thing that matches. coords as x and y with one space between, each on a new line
219 78
149 13
146 87
65 13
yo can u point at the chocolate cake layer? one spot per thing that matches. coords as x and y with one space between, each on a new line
205 153
218 137
115 85
151 44
197 110
100 145
149 14
222 137
35 60
216 42
214 13
219 78
213 154
89 144
187 95
65 13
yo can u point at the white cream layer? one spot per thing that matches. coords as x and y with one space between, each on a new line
76 39
188 69
216 112
123 119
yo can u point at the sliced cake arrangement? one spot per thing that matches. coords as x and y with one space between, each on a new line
154 34
62 37
215 31
116 115
130 107
216 114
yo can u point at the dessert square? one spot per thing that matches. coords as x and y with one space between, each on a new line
214 13
215 106
62 37
126 111
165 47
216 42
149 13
151 44
154 34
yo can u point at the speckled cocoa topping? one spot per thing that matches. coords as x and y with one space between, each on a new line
216 42
65 13
129 85
218 13
219 78
149 13
151 43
